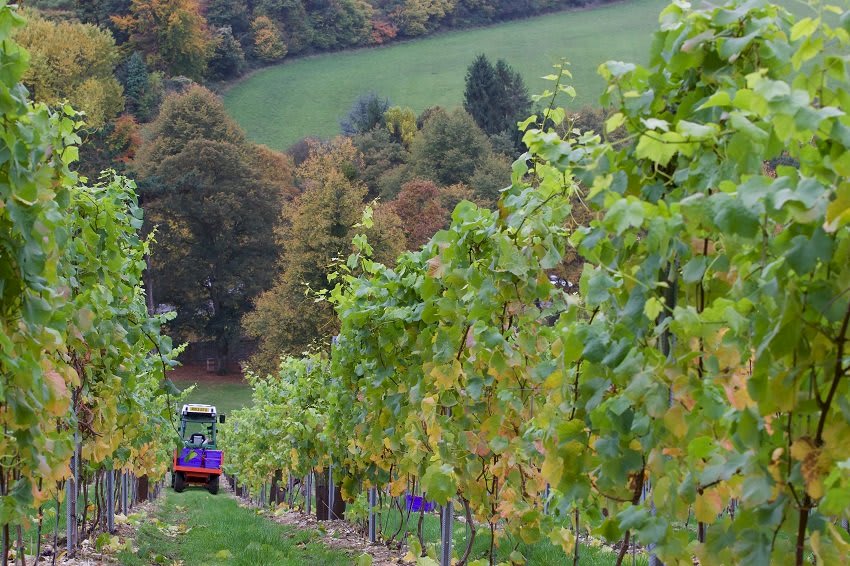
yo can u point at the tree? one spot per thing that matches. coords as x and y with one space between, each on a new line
100 12
291 18
136 81
74 62
318 229
513 103
268 42
143 90
401 123
228 59
232 13
172 34
417 17
380 154
339 23
216 200
480 93
214 219
195 114
496 97
421 212
111 147
491 175
448 148
366 113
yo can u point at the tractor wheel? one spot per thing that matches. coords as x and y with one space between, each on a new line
173 475
212 484
179 482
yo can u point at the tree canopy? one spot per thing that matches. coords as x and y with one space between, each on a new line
74 62
173 34
448 148
214 199
318 229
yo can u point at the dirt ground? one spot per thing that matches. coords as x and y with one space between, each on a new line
86 554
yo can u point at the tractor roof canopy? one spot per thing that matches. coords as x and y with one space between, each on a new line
200 413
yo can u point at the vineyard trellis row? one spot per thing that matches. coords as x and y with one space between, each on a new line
703 361
81 361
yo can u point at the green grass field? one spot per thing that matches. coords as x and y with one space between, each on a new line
226 395
307 97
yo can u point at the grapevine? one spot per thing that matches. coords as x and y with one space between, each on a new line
700 374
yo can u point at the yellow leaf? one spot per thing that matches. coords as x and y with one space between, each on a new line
553 468
674 419
565 538
801 448
445 375
708 506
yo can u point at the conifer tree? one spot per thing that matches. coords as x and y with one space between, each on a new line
496 97
480 95
136 82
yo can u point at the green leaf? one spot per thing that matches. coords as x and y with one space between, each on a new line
694 270
439 483
623 214
805 253
732 217
804 28
598 285
614 121
719 98
652 308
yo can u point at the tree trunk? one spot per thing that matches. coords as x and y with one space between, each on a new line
142 489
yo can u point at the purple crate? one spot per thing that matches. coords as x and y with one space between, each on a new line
416 503
201 458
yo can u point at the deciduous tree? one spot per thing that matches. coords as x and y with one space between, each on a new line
339 23
268 41
380 156
173 35
233 13
215 199
195 114
401 123
75 62
421 212
228 59
318 229
448 148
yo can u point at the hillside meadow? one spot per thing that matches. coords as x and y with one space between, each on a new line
307 97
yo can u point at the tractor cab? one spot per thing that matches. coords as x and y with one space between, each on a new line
198 425
199 461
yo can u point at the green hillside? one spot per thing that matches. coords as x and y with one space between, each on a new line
307 97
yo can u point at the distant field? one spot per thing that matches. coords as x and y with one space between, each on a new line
307 97
226 392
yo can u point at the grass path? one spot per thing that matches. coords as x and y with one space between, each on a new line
200 529
307 97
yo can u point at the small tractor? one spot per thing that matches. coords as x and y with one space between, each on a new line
198 462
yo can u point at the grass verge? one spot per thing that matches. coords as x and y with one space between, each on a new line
200 529
541 553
